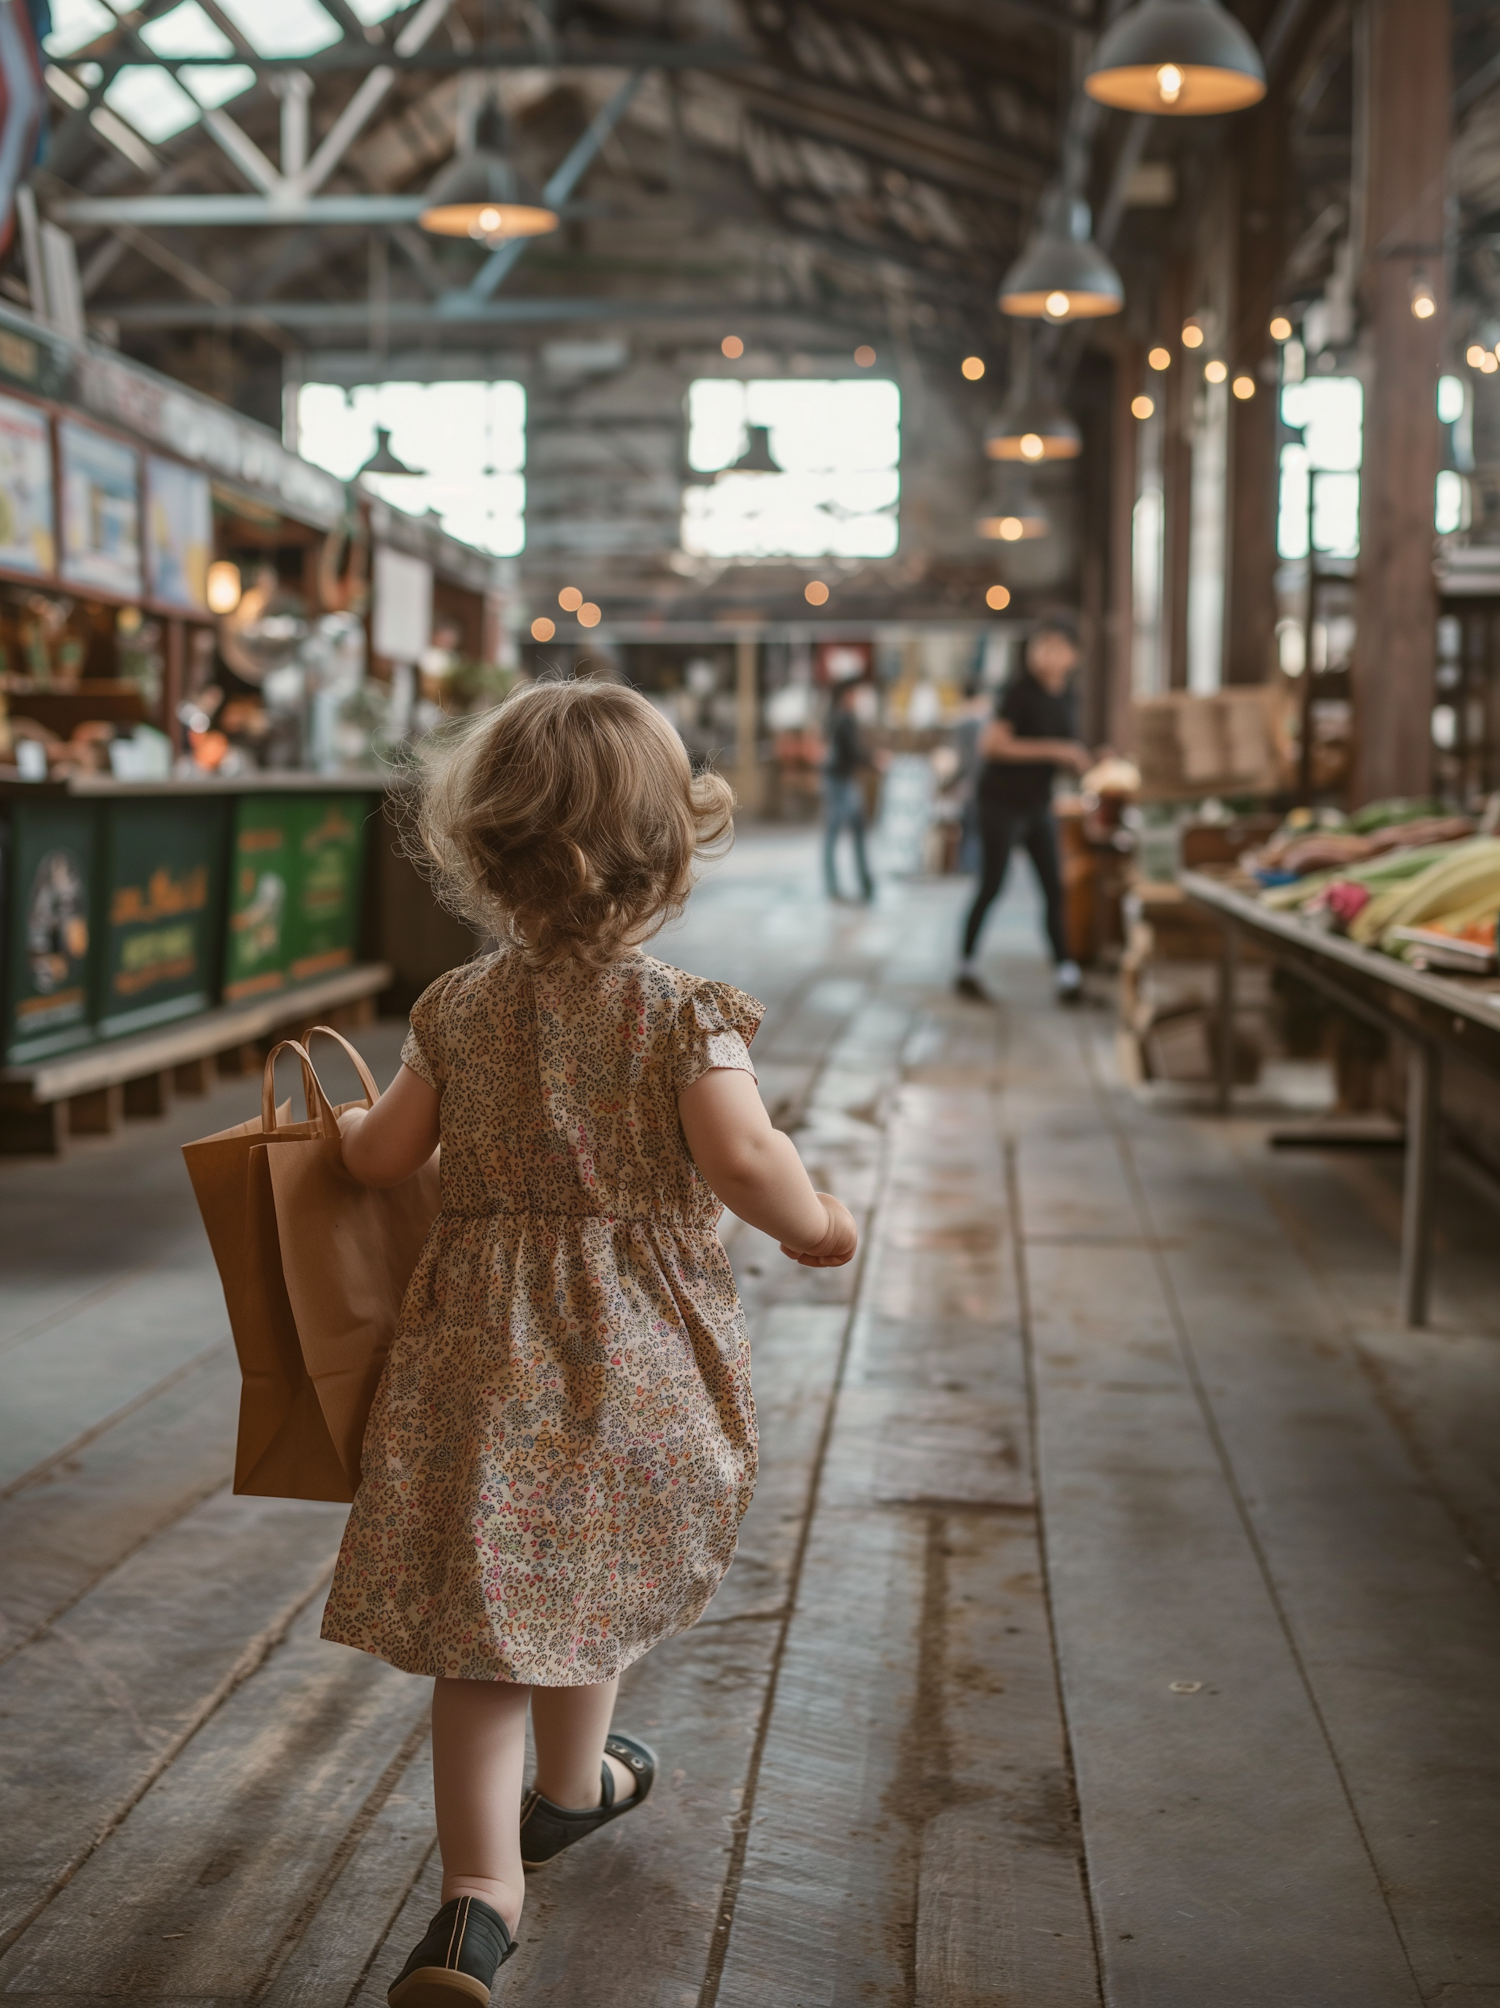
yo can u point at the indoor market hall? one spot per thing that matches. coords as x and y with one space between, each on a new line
749 1004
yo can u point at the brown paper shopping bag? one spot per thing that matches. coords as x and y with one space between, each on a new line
347 1254
305 1394
283 1449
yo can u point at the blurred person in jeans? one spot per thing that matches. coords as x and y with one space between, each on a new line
1031 735
843 796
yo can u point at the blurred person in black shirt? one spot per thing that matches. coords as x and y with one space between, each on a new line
1032 734
843 796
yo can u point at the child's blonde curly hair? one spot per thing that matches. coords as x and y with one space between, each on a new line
568 821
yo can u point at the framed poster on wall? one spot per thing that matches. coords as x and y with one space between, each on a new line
179 534
27 539
101 510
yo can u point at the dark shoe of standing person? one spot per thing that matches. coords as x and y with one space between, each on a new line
547 1829
967 984
455 1965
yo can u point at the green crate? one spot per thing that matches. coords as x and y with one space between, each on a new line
50 878
263 862
328 884
162 888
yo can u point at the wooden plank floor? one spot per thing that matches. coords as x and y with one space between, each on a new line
1116 1620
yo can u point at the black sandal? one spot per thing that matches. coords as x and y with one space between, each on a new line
547 1829
455 1965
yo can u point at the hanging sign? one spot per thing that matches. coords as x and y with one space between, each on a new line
27 543
179 534
101 511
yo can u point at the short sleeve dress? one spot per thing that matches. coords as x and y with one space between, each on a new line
563 1442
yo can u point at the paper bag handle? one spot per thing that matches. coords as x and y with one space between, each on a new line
366 1078
314 1099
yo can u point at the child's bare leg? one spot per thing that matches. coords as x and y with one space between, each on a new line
478 1756
569 1725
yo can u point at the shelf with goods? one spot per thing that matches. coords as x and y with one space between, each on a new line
122 494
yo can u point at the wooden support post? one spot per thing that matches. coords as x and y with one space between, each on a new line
1119 650
28 1127
1260 155
1422 1070
96 1113
747 722
174 684
192 1077
1224 1055
1402 155
148 1094
1176 479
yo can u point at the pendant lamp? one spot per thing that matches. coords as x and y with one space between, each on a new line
477 195
382 460
757 457
1033 429
1011 529
1181 58
1062 275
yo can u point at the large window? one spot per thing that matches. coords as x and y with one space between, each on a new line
836 484
1320 477
464 442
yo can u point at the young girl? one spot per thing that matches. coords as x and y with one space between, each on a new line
563 1442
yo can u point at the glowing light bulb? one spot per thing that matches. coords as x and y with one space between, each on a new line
1243 388
1281 328
589 615
1057 305
1142 407
972 367
815 593
489 220
1192 335
1423 301
1031 446
1160 359
732 347
1169 81
1215 371
864 355
224 587
542 629
1012 529
1490 364
998 597
1474 356
570 599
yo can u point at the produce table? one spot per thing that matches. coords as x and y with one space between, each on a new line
1430 1013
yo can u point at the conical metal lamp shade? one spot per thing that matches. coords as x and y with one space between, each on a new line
1180 58
757 458
1014 513
476 195
1062 275
1033 429
382 460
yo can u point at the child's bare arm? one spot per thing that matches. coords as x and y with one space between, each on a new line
386 1144
757 1173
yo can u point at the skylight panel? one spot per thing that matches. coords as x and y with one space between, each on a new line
216 85
371 11
186 31
76 23
283 27
150 101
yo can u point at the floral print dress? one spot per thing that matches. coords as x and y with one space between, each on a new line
563 1442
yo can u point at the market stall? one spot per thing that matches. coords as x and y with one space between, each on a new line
1399 935
148 928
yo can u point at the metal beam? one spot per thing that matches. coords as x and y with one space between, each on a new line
457 309
245 212
564 180
612 53
366 100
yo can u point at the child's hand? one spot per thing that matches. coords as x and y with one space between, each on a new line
837 1246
